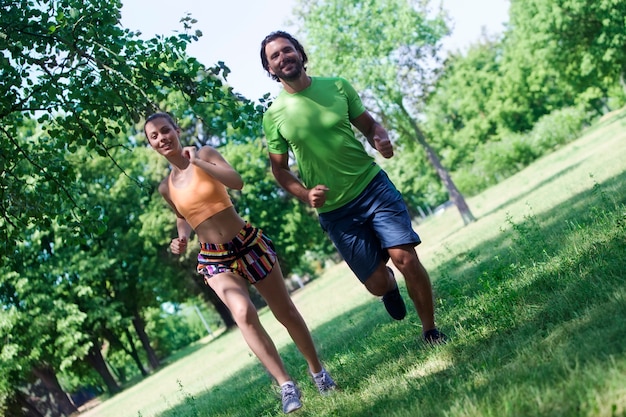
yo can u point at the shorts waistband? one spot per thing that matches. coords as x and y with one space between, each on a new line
241 240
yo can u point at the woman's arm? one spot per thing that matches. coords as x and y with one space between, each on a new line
214 164
177 245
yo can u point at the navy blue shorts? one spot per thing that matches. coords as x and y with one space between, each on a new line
363 229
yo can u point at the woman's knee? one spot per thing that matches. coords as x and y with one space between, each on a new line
286 314
244 313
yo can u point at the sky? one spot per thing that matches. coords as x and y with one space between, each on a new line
233 30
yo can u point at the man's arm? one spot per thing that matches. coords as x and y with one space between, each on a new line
315 197
374 132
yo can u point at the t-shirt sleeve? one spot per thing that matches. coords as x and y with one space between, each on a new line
275 142
355 105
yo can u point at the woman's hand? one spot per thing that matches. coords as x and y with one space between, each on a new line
178 245
189 152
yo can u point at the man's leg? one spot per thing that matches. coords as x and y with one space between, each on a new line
383 282
417 282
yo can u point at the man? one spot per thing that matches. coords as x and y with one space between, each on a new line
358 207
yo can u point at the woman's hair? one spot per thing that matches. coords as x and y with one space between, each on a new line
273 36
160 115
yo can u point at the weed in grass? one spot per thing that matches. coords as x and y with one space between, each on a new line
190 401
598 190
527 234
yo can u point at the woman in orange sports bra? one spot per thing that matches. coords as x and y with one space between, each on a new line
231 251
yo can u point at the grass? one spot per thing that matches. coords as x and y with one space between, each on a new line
533 296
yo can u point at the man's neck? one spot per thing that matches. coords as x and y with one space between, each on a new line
295 86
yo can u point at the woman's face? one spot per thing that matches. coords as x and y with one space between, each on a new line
162 135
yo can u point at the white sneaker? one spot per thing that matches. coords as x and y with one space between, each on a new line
324 382
290 396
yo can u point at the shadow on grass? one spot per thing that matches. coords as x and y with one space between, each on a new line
530 318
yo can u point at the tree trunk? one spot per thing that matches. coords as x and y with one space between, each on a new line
95 359
455 196
19 405
140 328
132 352
60 402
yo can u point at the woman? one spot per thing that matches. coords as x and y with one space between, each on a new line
231 251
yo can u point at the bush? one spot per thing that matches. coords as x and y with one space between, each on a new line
495 161
557 128
177 326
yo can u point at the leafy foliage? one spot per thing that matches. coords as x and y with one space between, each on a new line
460 114
580 42
74 83
71 67
494 161
511 99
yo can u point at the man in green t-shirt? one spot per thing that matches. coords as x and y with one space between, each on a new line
358 206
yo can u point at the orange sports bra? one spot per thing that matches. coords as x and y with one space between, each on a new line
202 198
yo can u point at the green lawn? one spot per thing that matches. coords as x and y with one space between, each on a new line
533 296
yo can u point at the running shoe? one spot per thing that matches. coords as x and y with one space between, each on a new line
434 337
324 382
393 302
291 397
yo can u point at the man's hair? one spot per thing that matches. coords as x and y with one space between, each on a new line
273 36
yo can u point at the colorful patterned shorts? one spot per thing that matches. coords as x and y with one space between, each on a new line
250 254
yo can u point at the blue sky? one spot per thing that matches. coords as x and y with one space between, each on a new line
233 30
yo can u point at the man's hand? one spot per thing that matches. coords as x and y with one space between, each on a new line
317 196
178 245
384 146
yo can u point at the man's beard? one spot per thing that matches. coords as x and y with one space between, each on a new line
294 74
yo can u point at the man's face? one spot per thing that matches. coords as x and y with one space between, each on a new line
283 59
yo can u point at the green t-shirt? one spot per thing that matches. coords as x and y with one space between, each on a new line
315 124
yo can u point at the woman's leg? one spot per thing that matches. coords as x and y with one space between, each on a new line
233 291
275 293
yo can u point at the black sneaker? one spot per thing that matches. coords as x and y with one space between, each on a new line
394 303
434 337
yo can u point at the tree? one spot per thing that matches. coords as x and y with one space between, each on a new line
561 53
43 332
581 42
461 113
71 67
72 82
388 50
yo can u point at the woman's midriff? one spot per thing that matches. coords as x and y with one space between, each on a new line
221 227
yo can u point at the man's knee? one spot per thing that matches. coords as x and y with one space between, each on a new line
404 258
